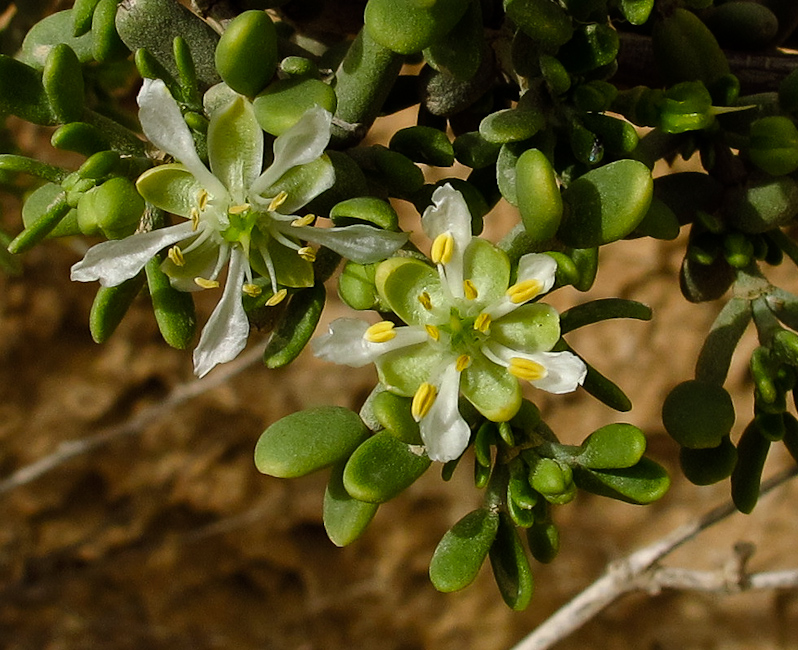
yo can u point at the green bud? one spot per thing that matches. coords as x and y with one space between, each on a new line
345 519
246 55
738 250
550 477
99 165
687 106
708 466
307 441
697 414
115 207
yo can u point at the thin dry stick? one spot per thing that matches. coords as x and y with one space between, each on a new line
624 575
181 393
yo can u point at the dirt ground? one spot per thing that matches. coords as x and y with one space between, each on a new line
168 537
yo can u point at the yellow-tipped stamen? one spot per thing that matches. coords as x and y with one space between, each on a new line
469 290
195 218
277 201
423 400
434 332
277 298
202 199
425 300
442 248
307 253
205 283
524 291
176 255
252 290
239 209
303 221
526 369
482 322
463 361
380 332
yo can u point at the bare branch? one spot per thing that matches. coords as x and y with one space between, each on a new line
631 574
181 393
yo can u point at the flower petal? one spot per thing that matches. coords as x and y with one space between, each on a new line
172 188
164 126
444 431
113 262
360 243
301 144
225 334
537 266
345 344
565 372
448 213
235 147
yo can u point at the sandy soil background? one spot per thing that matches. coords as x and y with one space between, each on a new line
169 538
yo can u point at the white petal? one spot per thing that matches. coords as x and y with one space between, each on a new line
564 372
444 431
113 262
345 344
301 144
360 243
537 266
225 334
164 126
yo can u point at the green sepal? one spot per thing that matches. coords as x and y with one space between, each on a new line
62 79
174 310
296 327
345 518
424 144
307 441
641 484
393 413
246 55
22 93
752 451
365 209
110 306
400 280
708 466
10 162
462 550
553 479
51 215
382 467
511 566
107 45
602 309
613 446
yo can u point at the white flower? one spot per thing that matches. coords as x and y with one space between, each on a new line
467 331
238 215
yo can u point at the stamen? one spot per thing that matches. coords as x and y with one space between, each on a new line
239 209
482 322
463 361
176 255
526 369
423 400
195 218
524 291
434 332
425 300
202 199
205 283
277 298
277 201
303 221
442 248
380 332
252 290
469 290
307 253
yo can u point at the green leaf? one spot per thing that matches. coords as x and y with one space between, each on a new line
543 21
308 441
463 549
538 195
424 144
365 209
612 446
407 26
708 466
602 309
280 105
174 309
51 31
110 306
246 55
511 567
752 451
698 414
716 353
382 467
544 541
345 518
296 327
393 413
640 484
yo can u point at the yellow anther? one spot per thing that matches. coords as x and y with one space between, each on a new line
380 332
434 332
303 221
463 361
176 255
205 283
195 218
277 201
526 369
252 290
277 298
469 290
425 300
442 248
524 291
482 323
423 400
202 199
239 209
307 253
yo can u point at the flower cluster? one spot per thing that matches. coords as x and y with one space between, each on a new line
468 330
